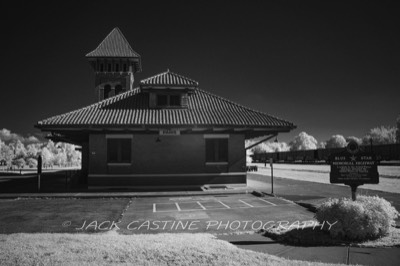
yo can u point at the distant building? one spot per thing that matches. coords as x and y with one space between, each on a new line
166 131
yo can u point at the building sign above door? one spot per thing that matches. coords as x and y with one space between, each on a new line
169 132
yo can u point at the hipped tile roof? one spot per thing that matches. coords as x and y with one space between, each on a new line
168 78
131 109
114 45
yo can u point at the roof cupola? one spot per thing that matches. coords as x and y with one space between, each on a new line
114 63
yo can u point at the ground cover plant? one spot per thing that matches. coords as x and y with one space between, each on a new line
369 217
367 222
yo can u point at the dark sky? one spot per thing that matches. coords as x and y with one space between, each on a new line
331 67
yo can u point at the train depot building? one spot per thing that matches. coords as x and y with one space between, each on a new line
166 131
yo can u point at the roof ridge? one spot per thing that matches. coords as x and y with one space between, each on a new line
169 72
240 105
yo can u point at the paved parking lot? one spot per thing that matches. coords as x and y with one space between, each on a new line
215 204
214 214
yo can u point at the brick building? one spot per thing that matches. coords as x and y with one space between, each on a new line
166 131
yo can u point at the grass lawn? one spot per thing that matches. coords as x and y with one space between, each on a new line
384 170
113 249
49 215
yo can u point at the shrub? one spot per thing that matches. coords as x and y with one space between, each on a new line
366 218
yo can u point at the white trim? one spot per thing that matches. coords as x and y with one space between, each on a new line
216 136
216 163
119 136
177 206
166 175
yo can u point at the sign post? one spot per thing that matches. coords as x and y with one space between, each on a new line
354 168
272 175
39 170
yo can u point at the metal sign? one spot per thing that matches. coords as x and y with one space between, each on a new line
169 132
354 167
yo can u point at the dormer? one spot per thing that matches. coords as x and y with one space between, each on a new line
168 90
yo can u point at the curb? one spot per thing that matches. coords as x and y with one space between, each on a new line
121 194
309 206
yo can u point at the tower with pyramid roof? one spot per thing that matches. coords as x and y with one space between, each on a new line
114 63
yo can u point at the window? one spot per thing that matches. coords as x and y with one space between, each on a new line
109 68
125 68
107 91
162 100
216 150
174 100
118 150
101 67
117 68
118 89
168 100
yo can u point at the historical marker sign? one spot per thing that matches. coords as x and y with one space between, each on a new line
354 167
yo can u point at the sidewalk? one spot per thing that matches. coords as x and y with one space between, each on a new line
329 254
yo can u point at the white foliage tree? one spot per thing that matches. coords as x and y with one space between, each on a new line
336 141
47 157
398 129
380 135
303 142
321 145
358 140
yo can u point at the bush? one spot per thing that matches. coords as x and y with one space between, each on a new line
366 218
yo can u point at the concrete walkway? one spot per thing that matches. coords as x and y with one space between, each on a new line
329 254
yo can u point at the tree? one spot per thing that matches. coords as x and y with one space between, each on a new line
271 147
47 157
6 153
19 162
60 159
32 162
336 141
380 135
32 150
321 145
358 140
303 142
398 130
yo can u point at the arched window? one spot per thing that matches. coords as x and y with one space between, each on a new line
118 89
107 91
